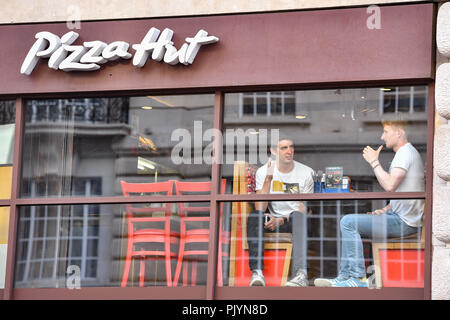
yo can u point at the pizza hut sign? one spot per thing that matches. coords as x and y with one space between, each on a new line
65 56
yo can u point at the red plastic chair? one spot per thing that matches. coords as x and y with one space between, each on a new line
191 214
139 231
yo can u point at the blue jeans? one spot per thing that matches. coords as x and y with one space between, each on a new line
353 226
297 224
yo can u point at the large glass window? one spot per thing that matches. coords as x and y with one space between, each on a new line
341 141
329 131
327 240
130 245
266 103
86 147
344 142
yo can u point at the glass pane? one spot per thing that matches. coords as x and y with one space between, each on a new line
261 105
404 102
324 141
4 227
321 241
119 245
7 119
88 147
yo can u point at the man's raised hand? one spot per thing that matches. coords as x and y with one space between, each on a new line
270 167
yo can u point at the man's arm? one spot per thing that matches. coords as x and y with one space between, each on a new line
381 211
388 181
262 205
265 189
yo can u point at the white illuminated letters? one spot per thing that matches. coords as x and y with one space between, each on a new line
195 43
46 42
95 54
145 47
66 56
71 63
116 50
61 53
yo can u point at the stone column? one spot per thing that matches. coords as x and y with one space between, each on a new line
441 186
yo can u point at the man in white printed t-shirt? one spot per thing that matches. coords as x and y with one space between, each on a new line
399 218
284 175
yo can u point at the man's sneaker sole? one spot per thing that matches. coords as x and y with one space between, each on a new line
295 284
324 282
352 283
327 282
257 283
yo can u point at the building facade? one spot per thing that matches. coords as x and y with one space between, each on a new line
323 75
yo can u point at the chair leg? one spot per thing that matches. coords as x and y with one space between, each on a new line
219 273
168 262
179 263
142 272
185 273
126 271
194 273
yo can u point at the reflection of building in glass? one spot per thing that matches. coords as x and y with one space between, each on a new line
330 127
403 99
269 103
52 238
83 148
7 111
7 118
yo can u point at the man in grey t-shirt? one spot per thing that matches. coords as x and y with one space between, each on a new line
399 218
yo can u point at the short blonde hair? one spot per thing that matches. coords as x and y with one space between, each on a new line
397 124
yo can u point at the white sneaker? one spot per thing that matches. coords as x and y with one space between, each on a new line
323 282
257 280
300 280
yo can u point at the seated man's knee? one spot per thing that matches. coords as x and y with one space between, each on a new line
254 219
256 213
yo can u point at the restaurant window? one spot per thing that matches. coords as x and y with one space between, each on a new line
56 241
161 146
129 146
329 132
115 245
327 136
319 248
103 141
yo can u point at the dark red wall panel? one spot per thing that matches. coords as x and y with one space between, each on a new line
302 47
